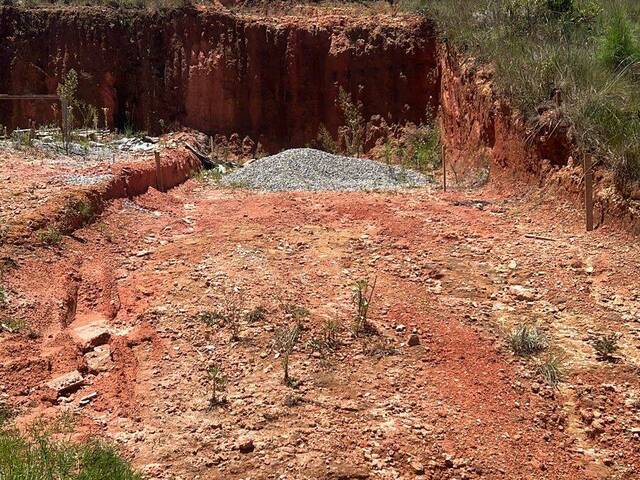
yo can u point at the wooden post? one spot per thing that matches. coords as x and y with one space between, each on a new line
444 170
588 191
158 173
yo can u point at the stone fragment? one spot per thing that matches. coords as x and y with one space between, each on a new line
522 293
246 445
66 383
88 398
414 340
91 335
417 467
99 360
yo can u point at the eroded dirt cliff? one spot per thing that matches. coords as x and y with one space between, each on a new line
275 80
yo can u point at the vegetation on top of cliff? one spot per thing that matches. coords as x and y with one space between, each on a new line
583 54
124 4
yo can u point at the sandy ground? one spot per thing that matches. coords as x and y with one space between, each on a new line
458 269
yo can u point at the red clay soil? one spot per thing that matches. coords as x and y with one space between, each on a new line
458 271
266 74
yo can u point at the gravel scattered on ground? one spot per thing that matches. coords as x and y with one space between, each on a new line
313 170
76 179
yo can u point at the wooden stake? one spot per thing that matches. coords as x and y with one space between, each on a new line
444 169
158 173
588 192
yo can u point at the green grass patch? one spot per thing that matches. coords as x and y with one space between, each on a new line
40 455
587 51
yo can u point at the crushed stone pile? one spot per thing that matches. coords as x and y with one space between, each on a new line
313 170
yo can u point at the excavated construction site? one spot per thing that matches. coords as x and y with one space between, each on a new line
132 280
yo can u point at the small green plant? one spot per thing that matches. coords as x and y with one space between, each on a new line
210 318
552 369
230 314
257 314
526 340
284 342
11 325
6 414
79 208
363 291
67 93
379 348
50 236
328 340
3 296
607 346
218 381
295 312
354 130
205 176
325 140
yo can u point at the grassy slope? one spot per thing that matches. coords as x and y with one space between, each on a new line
42 455
589 50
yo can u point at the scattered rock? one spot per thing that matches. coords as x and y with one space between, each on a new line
246 445
91 335
414 340
87 398
69 382
417 467
99 360
522 293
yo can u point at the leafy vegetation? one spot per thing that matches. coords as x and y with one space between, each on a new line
585 53
50 236
552 369
362 296
218 381
284 342
526 340
41 455
607 345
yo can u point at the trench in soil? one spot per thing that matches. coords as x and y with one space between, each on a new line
120 301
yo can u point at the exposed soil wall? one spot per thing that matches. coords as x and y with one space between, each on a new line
481 129
217 72
129 180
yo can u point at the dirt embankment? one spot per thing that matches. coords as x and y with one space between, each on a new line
275 80
481 129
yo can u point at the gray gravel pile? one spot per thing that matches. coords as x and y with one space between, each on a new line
309 169
76 179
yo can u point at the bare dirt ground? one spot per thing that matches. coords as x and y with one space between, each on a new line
120 302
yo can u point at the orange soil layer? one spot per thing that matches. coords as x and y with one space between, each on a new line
458 271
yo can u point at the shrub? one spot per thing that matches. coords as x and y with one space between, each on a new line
325 141
526 340
362 296
3 296
50 236
284 342
587 50
218 381
552 369
619 46
606 346
354 130
257 314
